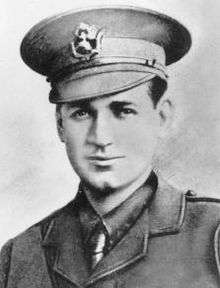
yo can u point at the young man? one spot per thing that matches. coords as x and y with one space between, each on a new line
126 227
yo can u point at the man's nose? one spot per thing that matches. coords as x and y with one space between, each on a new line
100 133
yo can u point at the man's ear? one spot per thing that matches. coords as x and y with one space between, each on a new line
59 122
166 113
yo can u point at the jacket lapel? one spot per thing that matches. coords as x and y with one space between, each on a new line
129 250
63 244
164 216
28 268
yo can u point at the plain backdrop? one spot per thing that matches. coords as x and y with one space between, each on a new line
35 175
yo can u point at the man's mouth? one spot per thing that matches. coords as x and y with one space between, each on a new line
103 160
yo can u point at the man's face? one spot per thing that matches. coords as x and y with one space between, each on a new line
110 140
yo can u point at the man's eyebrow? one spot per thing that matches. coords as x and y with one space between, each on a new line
79 103
121 103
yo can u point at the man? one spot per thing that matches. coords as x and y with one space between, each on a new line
126 227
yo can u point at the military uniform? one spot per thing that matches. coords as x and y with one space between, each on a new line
173 239
175 242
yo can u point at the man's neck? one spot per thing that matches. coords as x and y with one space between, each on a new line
108 202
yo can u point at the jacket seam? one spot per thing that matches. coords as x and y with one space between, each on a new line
202 199
217 248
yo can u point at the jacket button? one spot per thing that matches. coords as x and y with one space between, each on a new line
190 193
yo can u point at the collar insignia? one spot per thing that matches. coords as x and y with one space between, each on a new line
87 42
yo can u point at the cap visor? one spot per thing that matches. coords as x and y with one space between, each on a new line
98 85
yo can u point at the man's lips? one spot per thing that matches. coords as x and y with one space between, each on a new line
103 161
103 158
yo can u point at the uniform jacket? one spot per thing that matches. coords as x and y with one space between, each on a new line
175 243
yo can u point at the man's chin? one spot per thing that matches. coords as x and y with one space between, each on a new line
101 189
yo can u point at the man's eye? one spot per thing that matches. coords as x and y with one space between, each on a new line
125 112
80 114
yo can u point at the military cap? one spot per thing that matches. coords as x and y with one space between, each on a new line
104 50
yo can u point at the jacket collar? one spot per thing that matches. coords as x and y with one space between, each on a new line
165 216
167 210
63 242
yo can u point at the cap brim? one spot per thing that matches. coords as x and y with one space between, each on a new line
98 85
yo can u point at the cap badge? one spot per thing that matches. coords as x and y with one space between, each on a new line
87 42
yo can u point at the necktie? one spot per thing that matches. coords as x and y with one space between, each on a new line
97 245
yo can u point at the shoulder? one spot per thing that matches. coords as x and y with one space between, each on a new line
205 211
204 207
17 252
194 204
5 259
33 235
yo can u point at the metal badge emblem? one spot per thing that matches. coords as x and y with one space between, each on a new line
87 42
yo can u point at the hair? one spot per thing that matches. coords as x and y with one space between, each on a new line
157 87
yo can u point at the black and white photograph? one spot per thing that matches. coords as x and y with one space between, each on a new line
110 144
